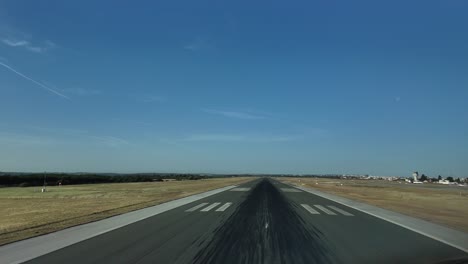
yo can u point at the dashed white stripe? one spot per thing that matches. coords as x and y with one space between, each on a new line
208 208
196 207
290 190
223 207
340 210
310 209
239 189
328 212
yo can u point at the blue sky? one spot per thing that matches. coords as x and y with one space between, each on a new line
234 86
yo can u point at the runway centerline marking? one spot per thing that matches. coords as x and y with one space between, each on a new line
325 210
310 209
196 207
340 210
208 208
223 207
239 189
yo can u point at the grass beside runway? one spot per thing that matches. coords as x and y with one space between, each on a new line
445 205
26 212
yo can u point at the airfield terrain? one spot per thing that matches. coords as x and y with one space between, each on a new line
259 221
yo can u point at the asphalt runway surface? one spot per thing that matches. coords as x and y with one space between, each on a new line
262 221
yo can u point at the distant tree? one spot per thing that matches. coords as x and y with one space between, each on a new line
450 179
458 180
439 178
423 178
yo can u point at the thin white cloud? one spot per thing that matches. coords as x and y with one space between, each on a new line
197 44
82 91
152 99
27 45
35 49
111 141
238 138
191 47
56 130
15 43
49 44
133 122
26 140
32 135
34 81
214 137
234 114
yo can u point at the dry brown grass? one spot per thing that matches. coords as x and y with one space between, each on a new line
26 212
445 205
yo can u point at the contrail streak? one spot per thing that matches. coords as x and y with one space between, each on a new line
36 82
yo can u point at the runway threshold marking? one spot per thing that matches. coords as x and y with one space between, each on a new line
208 208
310 209
325 210
223 207
196 207
239 189
340 210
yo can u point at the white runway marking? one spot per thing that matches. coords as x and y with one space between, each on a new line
239 189
208 208
310 209
340 210
448 236
328 212
290 190
224 207
196 207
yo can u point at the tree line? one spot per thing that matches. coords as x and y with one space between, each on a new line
52 179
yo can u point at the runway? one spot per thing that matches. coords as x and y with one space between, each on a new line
262 221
